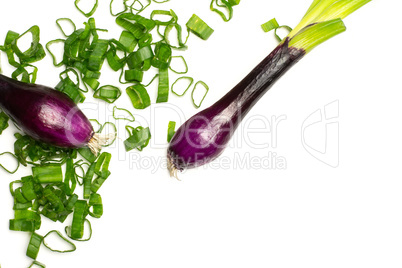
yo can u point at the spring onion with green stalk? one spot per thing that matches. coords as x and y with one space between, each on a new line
203 137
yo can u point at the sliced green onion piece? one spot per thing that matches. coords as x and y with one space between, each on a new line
87 181
68 230
128 40
138 139
178 80
199 27
139 96
95 201
170 14
137 58
48 173
102 165
77 226
48 45
69 243
226 5
128 117
89 13
98 54
70 181
36 264
34 245
138 27
270 25
234 2
171 130
133 75
12 171
35 52
205 94
163 86
107 93
273 25
22 225
165 36
54 200
184 63
61 27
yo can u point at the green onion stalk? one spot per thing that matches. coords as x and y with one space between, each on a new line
204 136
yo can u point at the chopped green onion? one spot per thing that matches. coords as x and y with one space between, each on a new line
139 96
270 25
205 94
226 5
98 54
45 243
199 27
61 28
163 86
48 173
129 117
171 130
36 263
184 63
89 13
12 171
35 52
273 25
48 45
190 79
107 93
34 245
128 40
95 201
138 139
133 75
77 226
87 181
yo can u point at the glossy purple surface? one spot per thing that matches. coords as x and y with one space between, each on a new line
45 114
204 136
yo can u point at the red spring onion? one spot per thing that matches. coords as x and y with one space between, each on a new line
204 136
48 115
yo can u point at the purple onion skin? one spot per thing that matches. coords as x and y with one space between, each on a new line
45 114
203 137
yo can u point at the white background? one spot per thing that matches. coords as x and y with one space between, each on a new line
341 208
